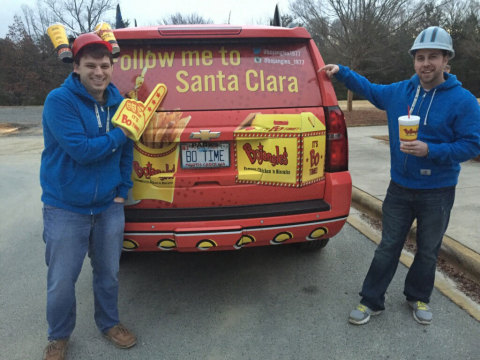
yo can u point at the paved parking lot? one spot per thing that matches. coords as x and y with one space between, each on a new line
271 303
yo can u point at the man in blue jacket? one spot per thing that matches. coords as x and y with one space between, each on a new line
85 175
424 172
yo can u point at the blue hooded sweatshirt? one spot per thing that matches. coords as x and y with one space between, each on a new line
86 162
449 124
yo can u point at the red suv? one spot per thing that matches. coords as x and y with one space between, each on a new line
248 147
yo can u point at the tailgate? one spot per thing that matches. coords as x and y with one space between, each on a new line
211 165
241 123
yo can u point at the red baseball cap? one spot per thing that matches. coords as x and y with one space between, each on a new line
87 39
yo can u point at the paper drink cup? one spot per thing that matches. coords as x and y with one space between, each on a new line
408 127
58 35
105 32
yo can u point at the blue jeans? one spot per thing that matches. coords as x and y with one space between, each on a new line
69 237
432 209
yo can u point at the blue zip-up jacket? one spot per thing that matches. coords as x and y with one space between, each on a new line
83 166
449 124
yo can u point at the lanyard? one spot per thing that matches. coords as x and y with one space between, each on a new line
415 103
97 114
415 100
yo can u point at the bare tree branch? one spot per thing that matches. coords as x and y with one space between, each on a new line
78 15
178 18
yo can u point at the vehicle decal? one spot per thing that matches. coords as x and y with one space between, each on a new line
282 237
244 240
318 233
280 149
167 244
206 244
224 76
129 244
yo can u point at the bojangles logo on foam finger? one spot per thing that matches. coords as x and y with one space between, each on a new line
134 115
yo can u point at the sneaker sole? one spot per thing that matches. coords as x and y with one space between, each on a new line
420 321
359 322
119 345
366 320
417 319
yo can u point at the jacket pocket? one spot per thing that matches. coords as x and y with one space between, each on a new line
76 185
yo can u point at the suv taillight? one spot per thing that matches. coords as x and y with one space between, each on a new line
337 140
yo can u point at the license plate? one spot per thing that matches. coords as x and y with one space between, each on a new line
205 155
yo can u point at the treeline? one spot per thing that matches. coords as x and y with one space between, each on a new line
373 36
370 36
29 69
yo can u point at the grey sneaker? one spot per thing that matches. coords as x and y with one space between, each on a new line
421 312
361 315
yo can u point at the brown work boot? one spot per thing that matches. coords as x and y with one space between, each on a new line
56 350
121 337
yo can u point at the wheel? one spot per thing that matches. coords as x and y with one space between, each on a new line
313 245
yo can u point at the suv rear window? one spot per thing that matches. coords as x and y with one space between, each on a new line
222 76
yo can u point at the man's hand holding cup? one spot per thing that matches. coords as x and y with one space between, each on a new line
408 132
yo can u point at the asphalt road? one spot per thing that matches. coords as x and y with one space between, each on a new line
24 115
269 303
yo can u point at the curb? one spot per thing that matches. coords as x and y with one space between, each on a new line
463 256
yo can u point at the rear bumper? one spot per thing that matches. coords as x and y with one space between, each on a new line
224 213
233 228
231 237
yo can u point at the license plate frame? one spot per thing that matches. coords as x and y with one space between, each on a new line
201 155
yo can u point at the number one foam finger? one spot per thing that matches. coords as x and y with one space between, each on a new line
134 116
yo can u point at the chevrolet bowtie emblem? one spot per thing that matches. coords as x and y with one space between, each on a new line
205 135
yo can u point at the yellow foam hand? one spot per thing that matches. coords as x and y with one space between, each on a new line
134 116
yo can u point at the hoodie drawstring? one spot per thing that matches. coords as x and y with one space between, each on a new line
99 121
428 110
415 102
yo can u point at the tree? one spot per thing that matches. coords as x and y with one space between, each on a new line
36 21
356 33
462 18
277 20
30 68
178 18
19 67
7 57
119 21
371 36
78 16
353 30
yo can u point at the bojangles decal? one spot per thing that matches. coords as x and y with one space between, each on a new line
280 149
410 132
260 155
148 170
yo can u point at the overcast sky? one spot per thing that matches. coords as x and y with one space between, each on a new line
149 12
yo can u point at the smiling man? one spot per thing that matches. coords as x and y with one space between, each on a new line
429 66
95 74
424 172
85 175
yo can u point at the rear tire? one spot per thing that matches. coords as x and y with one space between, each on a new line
313 245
